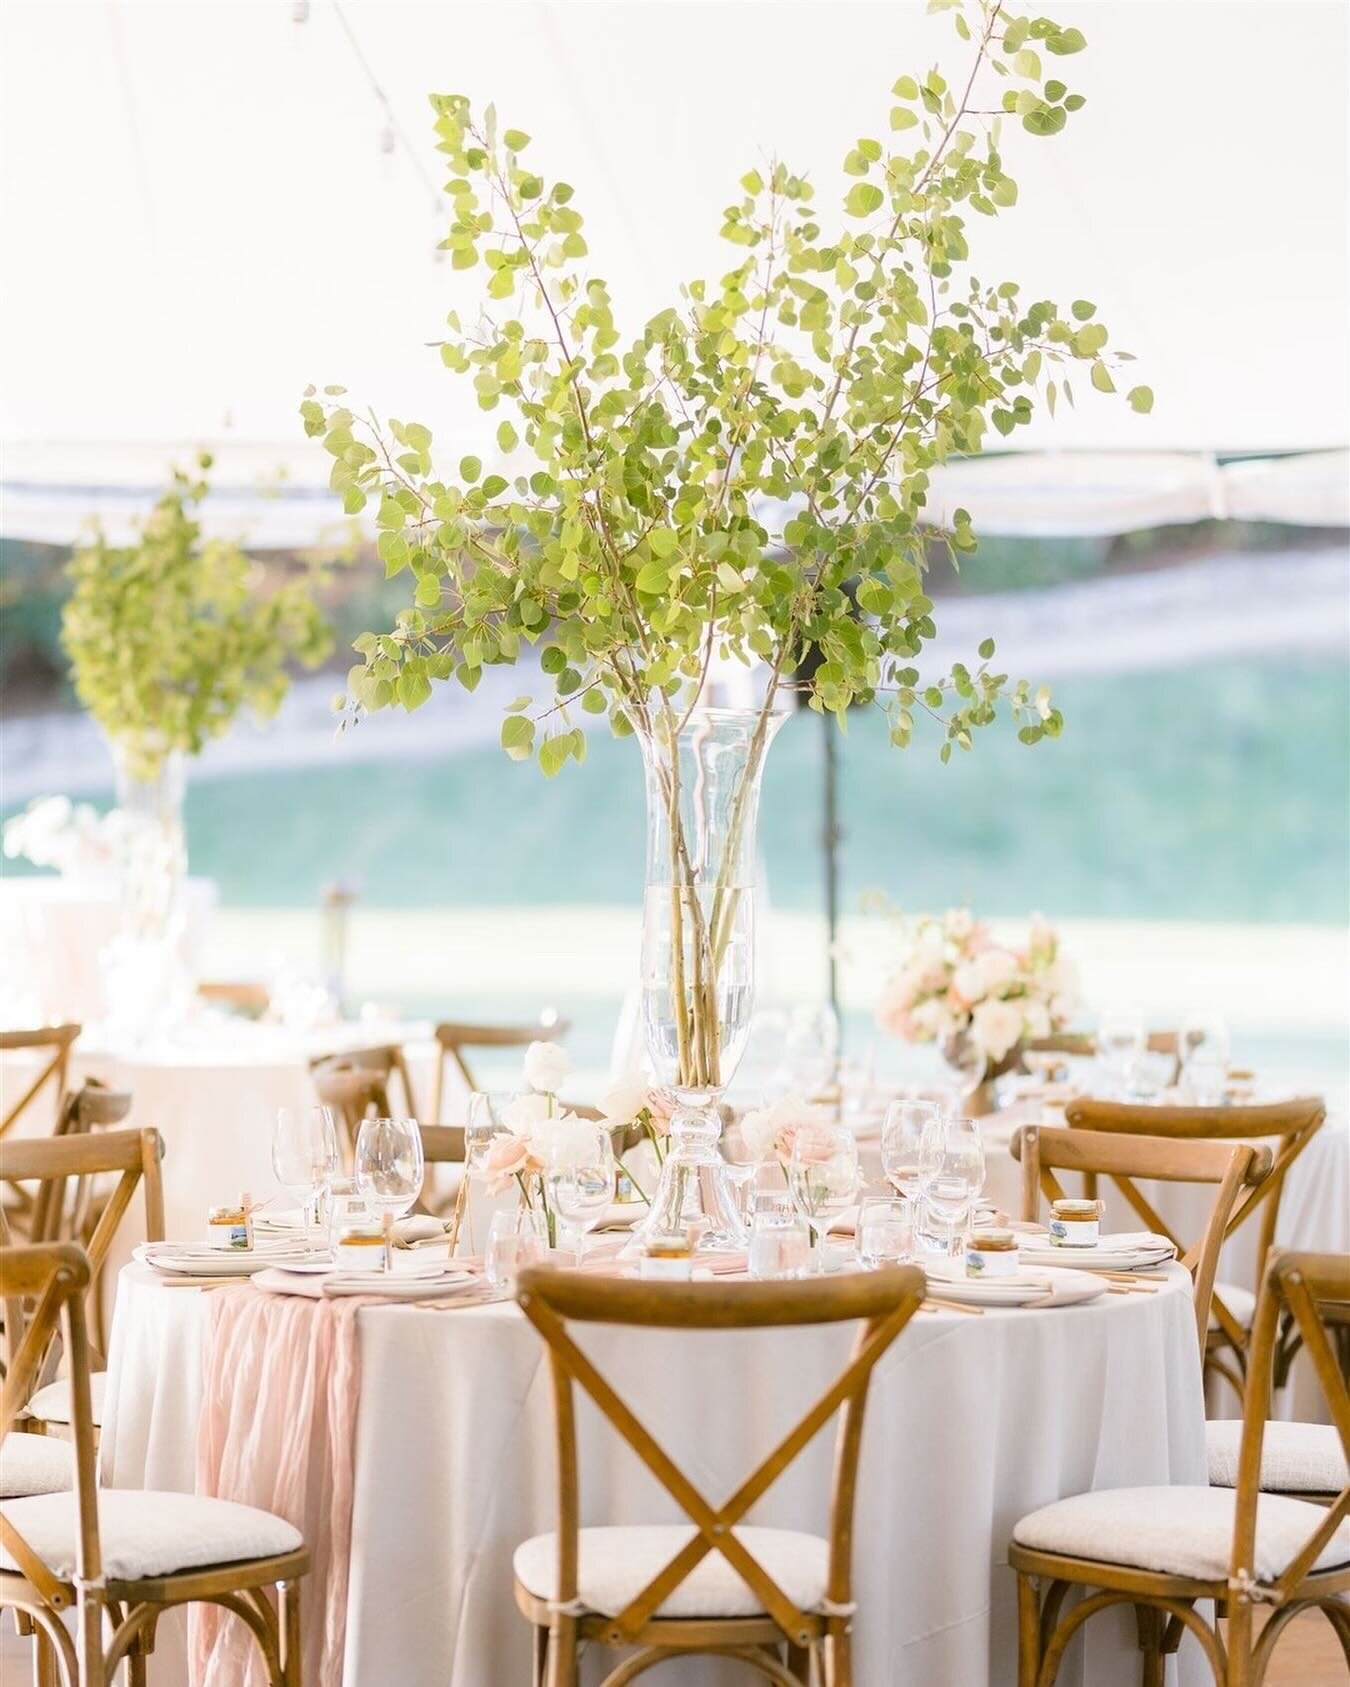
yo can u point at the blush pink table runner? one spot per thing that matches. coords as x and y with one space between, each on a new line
281 1379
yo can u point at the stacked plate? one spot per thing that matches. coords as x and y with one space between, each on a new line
195 1259
1039 1286
411 1279
1132 1250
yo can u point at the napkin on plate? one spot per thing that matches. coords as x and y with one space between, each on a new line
1125 1250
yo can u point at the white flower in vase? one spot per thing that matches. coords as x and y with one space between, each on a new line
547 1067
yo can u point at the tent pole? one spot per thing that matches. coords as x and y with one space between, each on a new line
831 837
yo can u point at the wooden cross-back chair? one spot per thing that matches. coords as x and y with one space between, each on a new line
1231 1167
63 1208
1166 1551
381 1064
796 1591
244 997
134 1157
453 1038
1288 1126
52 1045
1082 1045
357 1093
120 1558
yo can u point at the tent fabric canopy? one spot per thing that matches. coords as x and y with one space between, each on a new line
219 209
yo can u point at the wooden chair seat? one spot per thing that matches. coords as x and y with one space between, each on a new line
1296 1458
1186 1532
35 1464
615 1563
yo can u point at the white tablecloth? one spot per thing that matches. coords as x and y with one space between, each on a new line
972 1422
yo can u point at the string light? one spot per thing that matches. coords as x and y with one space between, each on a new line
299 11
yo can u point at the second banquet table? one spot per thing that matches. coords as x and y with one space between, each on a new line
972 1422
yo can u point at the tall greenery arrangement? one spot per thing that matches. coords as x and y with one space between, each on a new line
752 465
169 638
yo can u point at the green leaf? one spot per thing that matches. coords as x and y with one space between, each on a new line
517 737
663 542
902 117
862 199
469 469
553 754
1045 120
413 687
653 577
906 89
1140 399
986 648
515 140
752 182
1083 309
507 437
1101 377
1065 41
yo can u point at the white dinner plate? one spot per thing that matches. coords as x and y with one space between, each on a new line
1123 1251
1042 1286
187 1259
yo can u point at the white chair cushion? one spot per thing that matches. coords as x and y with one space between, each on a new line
1296 1458
1178 1531
1239 1301
614 1564
52 1403
35 1464
148 1534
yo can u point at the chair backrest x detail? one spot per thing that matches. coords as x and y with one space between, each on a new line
1299 1287
1231 1167
880 1302
453 1038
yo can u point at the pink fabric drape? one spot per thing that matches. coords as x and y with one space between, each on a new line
278 1431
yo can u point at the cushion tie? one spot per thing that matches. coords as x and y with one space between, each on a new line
568 1607
1245 1587
835 1608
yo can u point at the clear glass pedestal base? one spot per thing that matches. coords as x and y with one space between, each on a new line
695 1187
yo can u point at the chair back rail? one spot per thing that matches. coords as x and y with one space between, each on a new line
369 1091
1290 1124
133 1156
453 1037
881 1303
1083 1045
1304 1288
1230 1167
61 1211
55 1041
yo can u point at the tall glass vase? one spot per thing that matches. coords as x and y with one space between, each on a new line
146 977
703 770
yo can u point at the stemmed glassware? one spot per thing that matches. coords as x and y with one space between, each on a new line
582 1189
1121 1041
823 1177
305 1158
911 1148
1202 1045
389 1164
954 1187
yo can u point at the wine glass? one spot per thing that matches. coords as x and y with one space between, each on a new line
305 1157
811 1049
482 1121
389 1165
1202 1045
956 1182
823 1177
1121 1040
911 1140
582 1187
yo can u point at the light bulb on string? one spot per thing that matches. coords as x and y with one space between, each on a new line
299 11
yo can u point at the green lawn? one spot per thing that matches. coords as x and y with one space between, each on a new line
1217 793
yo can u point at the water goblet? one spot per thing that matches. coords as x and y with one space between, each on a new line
305 1158
1202 1045
954 1187
581 1187
1121 1041
911 1144
389 1164
823 1177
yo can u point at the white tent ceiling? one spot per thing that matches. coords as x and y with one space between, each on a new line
199 217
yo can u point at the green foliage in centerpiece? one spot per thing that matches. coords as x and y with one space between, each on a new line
755 462
170 637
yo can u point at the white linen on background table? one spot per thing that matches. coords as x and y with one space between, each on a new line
972 1422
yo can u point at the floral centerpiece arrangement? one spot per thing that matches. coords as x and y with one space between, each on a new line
744 477
771 1132
539 1135
982 1001
74 838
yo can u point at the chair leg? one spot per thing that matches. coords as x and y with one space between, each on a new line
838 1669
799 1662
1239 1639
1149 1623
289 1601
539 1636
44 1661
562 1653
89 1642
1028 1632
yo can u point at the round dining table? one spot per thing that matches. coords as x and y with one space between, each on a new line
973 1420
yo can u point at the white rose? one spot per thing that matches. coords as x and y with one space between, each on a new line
996 967
546 1067
622 1104
1037 1017
927 1018
968 982
996 1026
769 1130
523 1112
565 1141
